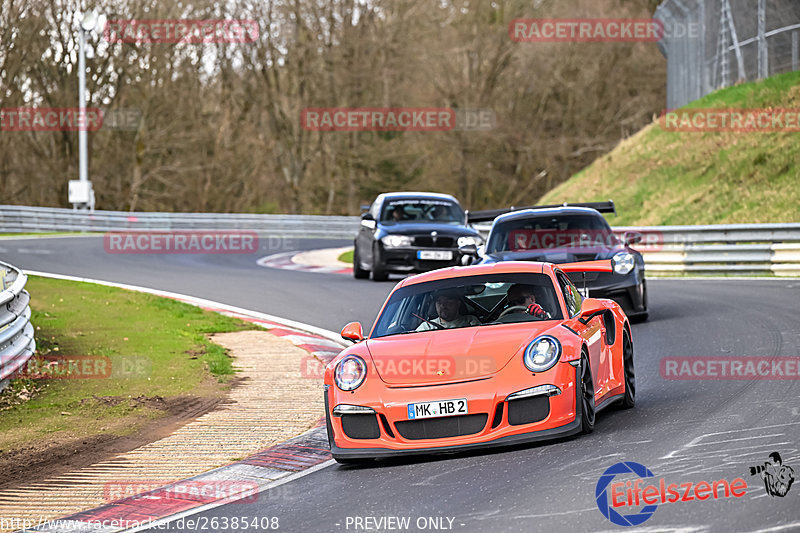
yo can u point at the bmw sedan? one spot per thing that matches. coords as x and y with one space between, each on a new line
411 232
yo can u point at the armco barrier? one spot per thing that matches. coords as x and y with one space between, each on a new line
718 249
14 218
16 332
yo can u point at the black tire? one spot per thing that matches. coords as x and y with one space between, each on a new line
642 317
629 400
378 273
586 385
358 272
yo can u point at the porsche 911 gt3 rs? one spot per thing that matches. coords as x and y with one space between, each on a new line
478 356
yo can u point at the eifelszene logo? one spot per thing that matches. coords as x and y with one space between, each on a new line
615 497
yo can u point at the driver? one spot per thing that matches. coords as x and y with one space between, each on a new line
448 307
524 296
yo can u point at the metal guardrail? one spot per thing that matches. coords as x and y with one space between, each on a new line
718 249
740 249
16 332
14 218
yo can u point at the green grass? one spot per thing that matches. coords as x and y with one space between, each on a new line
347 257
166 338
660 177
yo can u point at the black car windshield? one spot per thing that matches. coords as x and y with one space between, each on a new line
473 301
546 232
422 210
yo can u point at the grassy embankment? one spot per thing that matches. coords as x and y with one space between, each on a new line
158 352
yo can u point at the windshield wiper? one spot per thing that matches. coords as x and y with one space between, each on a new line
432 323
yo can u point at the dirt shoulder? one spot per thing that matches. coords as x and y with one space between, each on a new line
271 402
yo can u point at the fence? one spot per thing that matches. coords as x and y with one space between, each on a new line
743 249
710 44
16 332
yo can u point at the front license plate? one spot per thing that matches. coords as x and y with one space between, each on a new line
437 255
436 409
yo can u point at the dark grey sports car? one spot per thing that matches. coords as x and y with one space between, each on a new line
406 232
567 234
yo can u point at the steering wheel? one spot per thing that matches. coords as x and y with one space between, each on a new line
513 309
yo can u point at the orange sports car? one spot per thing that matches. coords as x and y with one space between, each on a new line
479 356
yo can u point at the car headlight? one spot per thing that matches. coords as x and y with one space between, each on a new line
542 353
623 262
350 373
396 241
466 241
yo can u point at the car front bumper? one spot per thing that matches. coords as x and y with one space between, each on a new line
484 397
406 261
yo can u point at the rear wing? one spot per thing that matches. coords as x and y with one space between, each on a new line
491 214
587 266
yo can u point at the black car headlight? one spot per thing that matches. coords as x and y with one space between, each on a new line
350 373
623 262
467 241
396 241
542 353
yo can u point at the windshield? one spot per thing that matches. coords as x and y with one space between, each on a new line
422 210
536 233
474 301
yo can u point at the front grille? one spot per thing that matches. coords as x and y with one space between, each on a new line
361 426
426 241
528 410
441 428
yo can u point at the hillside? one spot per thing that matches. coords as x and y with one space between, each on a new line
664 177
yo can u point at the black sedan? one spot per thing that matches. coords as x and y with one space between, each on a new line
409 232
568 234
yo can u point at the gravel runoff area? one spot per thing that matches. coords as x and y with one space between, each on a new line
274 401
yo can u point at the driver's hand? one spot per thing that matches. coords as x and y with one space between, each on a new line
537 311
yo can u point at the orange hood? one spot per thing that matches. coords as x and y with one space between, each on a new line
443 356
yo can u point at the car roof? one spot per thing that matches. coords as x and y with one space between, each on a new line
421 195
547 212
502 267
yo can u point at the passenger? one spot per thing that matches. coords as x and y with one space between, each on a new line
448 307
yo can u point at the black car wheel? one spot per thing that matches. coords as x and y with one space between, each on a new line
378 273
641 317
358 272
629 400
587 396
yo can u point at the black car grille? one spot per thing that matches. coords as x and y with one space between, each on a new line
426 241
528 410
441 428
361 426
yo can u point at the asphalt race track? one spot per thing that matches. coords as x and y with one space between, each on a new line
683 430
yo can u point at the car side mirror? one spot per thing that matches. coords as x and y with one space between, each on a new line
353 332
632 237
367 216
469 253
